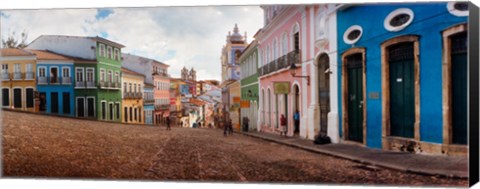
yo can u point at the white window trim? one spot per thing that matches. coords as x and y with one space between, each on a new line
82 69
102 50
453 11
38 71
9 96
93 73
102 75
350 29
68 68
386 22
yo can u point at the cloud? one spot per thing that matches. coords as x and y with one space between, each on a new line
178 36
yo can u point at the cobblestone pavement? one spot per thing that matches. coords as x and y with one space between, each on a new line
45 146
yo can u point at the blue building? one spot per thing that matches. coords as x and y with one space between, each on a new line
54 83
148 103
403 76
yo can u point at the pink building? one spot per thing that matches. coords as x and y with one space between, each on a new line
161 92
303 36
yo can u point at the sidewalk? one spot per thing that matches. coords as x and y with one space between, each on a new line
448 166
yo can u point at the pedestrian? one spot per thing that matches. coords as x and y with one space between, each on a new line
168 123
225 128
283 125
296 120
230 126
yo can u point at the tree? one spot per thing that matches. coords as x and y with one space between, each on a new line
13 42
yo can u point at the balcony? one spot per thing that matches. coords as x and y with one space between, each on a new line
54 80
132 95
42 80
5 76
29 75
162 107
280 63
160 74
17 75
85 84
148 101
109 85
66 80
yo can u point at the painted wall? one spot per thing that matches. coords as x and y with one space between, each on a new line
22 84
135 103
80 47
428 22
59 88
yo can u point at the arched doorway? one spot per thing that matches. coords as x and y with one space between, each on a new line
458 58
296 107
324 91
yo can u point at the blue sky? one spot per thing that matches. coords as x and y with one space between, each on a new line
178 36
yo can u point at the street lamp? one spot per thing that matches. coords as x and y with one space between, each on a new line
293 69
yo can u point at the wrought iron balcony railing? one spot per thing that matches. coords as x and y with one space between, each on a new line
283 62
17 75
5 76
29 75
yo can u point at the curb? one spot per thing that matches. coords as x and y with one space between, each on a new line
361 160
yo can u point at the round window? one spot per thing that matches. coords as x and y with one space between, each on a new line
458 8
352 34
398 19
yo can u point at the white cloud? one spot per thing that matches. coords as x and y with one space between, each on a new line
193 35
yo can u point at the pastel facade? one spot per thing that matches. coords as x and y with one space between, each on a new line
132 95
97 71
17 77
148 103
55 84
249 85
409 61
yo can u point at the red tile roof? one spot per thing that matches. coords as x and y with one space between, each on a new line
47 55
14 52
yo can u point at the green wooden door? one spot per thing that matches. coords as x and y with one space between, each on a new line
402 98
355 98
459 88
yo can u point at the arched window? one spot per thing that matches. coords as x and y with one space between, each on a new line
268 55
285 44
275 49
295 37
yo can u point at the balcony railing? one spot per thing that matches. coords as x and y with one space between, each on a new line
66 80
5 76
160 74
148 101
85 84
29 75
54 80
283 62
132 95
17 75
162 107
109 85
42 80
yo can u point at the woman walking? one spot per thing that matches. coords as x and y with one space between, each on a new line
283 126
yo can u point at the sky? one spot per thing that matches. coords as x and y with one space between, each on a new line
190 36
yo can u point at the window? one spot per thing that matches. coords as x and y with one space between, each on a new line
117 78
109 76
102 50
296 41
102 75
4 68
398 19
109 52
458 8
41 72
285 44
54 74
65 72
16 68
29 68
90 76
78 74
135 87
352 34
130 87
115 54
124 86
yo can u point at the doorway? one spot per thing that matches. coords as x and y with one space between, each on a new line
17 98
296 117
54 102
354 101
80 106
324 91
459 86
43 101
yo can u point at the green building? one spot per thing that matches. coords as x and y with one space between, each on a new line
249 86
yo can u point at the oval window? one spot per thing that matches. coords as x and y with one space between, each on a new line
458 8
352 34
398 19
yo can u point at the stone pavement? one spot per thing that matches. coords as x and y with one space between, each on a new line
439 165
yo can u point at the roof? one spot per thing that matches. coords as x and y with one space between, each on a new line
14 52
149 85
141 58
130 72
96 38
227 82
48 55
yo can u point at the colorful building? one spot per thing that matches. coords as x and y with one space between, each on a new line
249 86
156 73
97 73
148 103
133 107
55 84
18 79
403 75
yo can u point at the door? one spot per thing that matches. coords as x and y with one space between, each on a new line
54 101
80 107
355 97
104 110
459 88
30 101
110 108
125 111
91 107
43 101
324 92
402 100
5 97
17 98
66 102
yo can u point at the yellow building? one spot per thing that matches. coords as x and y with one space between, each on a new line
234 109
17 77
132 96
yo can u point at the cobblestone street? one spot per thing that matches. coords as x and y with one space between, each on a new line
45 146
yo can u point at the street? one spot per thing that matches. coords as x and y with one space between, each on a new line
45 146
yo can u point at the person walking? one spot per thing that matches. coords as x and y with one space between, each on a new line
296 120
230 127
283 126
168 123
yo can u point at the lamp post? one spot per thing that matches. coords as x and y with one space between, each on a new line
293 69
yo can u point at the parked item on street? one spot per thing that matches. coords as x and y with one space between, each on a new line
322 139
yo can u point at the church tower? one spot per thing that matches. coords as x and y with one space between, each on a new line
231 51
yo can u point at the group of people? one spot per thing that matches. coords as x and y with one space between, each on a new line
283 123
